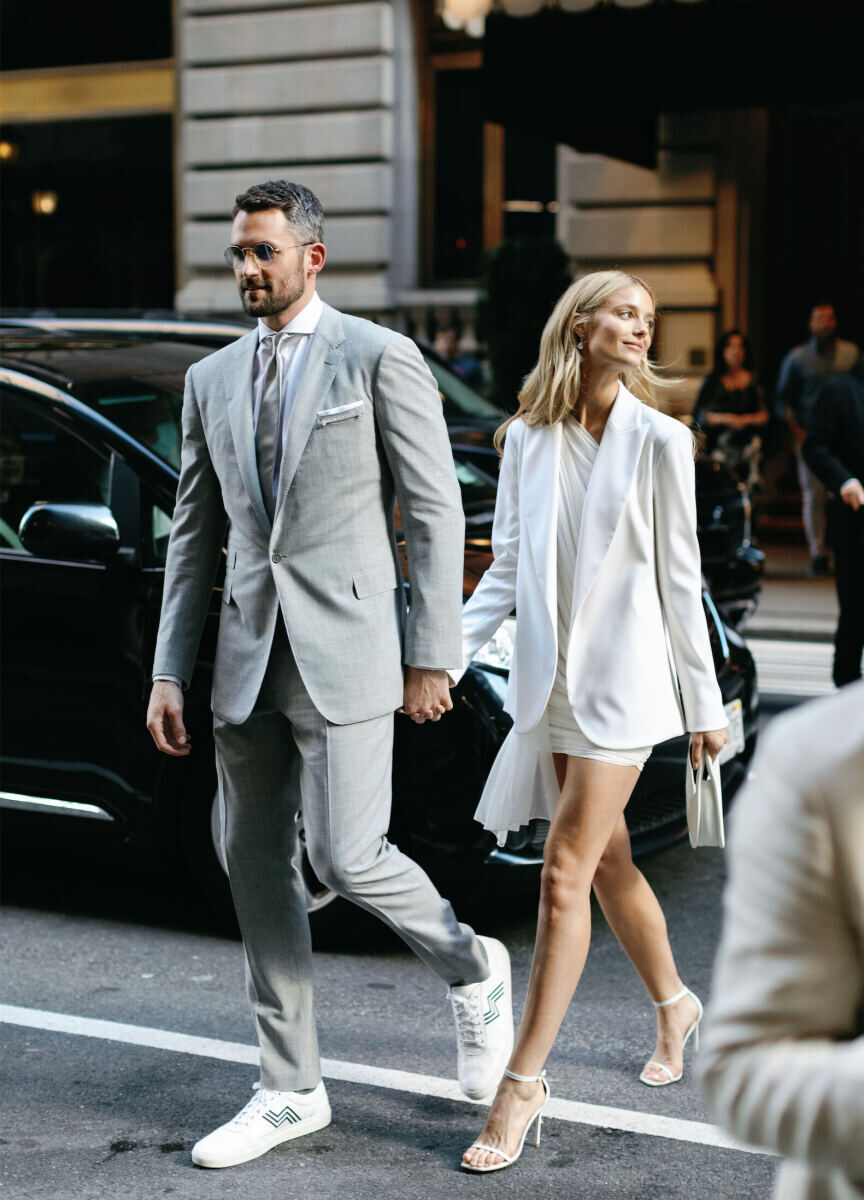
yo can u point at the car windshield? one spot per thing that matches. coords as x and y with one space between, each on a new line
138 386
459 399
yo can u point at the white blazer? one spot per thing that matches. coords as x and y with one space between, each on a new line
637 576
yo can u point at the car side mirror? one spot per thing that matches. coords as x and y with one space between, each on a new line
73 531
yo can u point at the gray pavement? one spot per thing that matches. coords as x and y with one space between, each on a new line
101 935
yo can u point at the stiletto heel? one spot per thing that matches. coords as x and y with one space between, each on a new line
691 1030
535 1119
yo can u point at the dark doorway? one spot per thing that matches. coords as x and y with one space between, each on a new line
103 238
814 223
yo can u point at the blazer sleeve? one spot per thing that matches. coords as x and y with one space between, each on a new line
782 1063
679 580
417 447
494 597
197 536
825 438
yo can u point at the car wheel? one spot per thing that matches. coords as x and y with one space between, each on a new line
324 906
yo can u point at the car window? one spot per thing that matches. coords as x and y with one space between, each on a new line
147 412
160 532
458 398
43 461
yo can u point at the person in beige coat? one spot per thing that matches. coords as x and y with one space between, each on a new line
783 1059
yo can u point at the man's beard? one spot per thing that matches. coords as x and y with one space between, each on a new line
271 302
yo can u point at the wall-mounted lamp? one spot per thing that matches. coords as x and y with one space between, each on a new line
44 203
8 151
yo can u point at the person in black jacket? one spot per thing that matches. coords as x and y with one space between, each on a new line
834 451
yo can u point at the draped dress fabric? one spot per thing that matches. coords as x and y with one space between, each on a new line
578 452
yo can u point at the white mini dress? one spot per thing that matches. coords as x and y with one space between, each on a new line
578 452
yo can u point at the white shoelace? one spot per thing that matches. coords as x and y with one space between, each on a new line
470 1026
254 1109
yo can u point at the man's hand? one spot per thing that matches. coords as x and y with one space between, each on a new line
710 742
165 719
426 695
852 493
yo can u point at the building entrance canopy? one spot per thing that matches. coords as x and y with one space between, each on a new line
597 79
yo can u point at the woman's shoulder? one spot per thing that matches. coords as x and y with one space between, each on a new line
663 428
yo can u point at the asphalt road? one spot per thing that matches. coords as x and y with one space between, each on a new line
86 935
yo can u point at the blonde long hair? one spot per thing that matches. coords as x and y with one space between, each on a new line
551 390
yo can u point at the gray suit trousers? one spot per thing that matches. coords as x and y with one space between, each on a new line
286 759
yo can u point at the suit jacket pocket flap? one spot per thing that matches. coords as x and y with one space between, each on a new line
375 580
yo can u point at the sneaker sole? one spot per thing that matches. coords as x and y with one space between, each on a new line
309 1125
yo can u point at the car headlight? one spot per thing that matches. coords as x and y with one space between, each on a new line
498 651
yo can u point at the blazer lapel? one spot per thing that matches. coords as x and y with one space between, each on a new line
538 487
608 489
238 386
322 362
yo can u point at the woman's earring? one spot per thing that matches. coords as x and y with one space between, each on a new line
578 343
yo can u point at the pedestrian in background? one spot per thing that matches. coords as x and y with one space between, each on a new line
802 373
300 437
597 575
782 1062
731 409
834 452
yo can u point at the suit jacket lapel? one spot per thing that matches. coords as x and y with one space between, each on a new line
322 362
538 487
608 489
238 387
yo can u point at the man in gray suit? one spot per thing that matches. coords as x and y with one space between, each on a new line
300 437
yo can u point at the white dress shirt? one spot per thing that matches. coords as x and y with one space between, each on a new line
292 345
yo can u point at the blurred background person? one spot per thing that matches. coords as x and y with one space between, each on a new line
803 372
466 366
834 452
731 409
782 1062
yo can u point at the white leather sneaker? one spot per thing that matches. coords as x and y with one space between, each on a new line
484 1024
268 1119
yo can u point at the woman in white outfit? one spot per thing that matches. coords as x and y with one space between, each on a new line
595 546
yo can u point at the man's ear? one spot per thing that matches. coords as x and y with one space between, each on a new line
317 258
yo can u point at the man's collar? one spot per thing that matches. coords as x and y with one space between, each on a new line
306 320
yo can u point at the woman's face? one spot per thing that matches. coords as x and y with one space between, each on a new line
733 352
619 334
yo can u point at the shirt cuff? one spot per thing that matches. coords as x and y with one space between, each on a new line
171 679
851 479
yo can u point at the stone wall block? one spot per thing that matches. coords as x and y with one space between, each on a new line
291 34
312 138
355 188
290 87
621 234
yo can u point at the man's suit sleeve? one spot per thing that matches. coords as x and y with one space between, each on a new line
679 582
197 537
414 436
825 439
781 1066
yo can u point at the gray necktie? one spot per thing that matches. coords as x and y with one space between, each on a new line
267 429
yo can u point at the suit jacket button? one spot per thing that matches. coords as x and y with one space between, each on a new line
277 557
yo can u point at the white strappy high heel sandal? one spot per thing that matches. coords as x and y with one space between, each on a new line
510 1159
692 1030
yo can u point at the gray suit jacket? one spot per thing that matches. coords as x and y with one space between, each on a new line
783 1060
366 429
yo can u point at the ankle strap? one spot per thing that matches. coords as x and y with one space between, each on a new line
524 1078
673 1000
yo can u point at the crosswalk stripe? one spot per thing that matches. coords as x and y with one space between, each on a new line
627 1120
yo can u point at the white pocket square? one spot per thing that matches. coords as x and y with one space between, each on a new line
326 416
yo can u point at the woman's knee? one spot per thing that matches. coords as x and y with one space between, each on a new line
565 880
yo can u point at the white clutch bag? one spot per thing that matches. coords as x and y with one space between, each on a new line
703 792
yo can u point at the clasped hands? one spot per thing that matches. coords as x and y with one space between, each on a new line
426 695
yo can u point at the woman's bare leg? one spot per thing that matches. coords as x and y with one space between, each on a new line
593 797
635 917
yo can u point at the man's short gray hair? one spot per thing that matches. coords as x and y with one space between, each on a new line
301 207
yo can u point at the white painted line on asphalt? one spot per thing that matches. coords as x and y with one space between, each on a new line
627 1120
792 668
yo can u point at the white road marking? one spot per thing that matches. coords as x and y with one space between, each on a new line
792 668
627 1120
